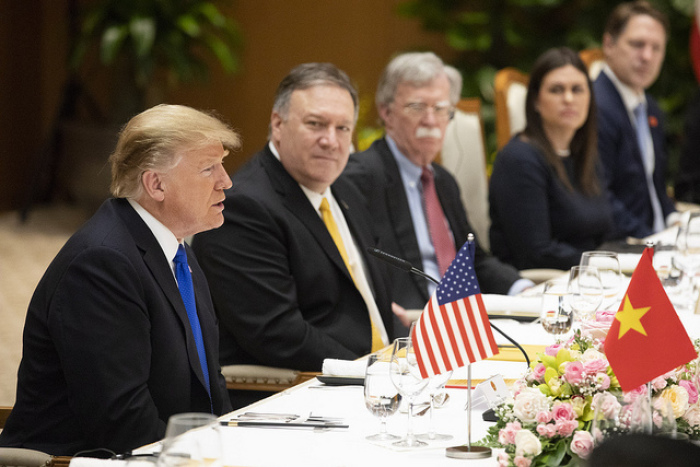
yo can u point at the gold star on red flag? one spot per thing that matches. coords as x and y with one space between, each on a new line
630 318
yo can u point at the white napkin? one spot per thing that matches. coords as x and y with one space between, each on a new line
628 261
94 462
505 304
333 367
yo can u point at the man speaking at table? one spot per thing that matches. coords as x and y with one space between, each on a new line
121 331
288 272
415 202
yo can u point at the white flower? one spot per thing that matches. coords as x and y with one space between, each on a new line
692 415
677 396
529 403
527 444
592 354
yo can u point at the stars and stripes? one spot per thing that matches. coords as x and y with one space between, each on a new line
454 329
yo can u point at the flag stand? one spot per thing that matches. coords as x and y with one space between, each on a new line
468 451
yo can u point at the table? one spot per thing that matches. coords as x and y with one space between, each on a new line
261 447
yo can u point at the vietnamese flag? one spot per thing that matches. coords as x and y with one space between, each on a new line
646 338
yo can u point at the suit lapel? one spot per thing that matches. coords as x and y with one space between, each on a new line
159 266
399 215
294 199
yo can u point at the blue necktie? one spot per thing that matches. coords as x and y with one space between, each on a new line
644 138
184 282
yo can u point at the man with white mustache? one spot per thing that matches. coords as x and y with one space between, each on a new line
415 203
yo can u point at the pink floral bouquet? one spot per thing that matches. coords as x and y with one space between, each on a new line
569 399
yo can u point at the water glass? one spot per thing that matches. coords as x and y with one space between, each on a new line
406 376
609 271
585 292
382 398
556 316
192 440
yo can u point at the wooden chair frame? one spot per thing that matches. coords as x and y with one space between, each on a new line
503 80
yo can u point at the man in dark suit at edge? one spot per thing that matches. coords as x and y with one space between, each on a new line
630 123
285 293
111 348
415 99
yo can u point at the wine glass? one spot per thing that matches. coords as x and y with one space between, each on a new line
608 265
406 376
585 292
436 385
556 316
381 395
191 439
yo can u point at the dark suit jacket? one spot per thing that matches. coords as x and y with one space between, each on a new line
377 175
622 159
108 350
280 287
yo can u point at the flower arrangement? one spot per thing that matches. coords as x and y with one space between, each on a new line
570 395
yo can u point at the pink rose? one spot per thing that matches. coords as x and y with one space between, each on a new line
538 372
634 394
565 427
659 382
607 405
552 350
507 435
563 411
605 316
573 372
595 366
582 444
503 459
602 381
521 461
546 430
692 390
543 417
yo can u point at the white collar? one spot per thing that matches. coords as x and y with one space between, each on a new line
166 239
630 98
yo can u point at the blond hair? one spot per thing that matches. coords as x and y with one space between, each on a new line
155 140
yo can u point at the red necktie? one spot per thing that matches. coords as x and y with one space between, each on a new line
437 223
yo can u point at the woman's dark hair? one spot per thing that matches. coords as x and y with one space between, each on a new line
584 145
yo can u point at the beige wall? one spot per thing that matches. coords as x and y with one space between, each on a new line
358 35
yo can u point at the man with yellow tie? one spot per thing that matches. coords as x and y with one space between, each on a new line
288 270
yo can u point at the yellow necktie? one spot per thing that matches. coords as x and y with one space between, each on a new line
335 234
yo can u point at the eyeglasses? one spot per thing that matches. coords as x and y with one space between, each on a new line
420 109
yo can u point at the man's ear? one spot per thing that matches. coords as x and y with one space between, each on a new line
384 112
275 123
153 185
608 42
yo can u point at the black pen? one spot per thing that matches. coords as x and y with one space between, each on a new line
273 424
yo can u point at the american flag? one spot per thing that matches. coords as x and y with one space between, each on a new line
454 328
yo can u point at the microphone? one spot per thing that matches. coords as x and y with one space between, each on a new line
404 265
398 263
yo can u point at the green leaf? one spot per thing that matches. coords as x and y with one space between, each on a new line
223 53
143 34
189 25
112 40
212 13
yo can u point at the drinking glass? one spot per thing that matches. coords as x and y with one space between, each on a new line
191 439
406 376
556 316
608 265
585 292
436 386
687 257
381 396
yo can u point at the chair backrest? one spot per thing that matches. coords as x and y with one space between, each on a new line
594 60
510 91
464 156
